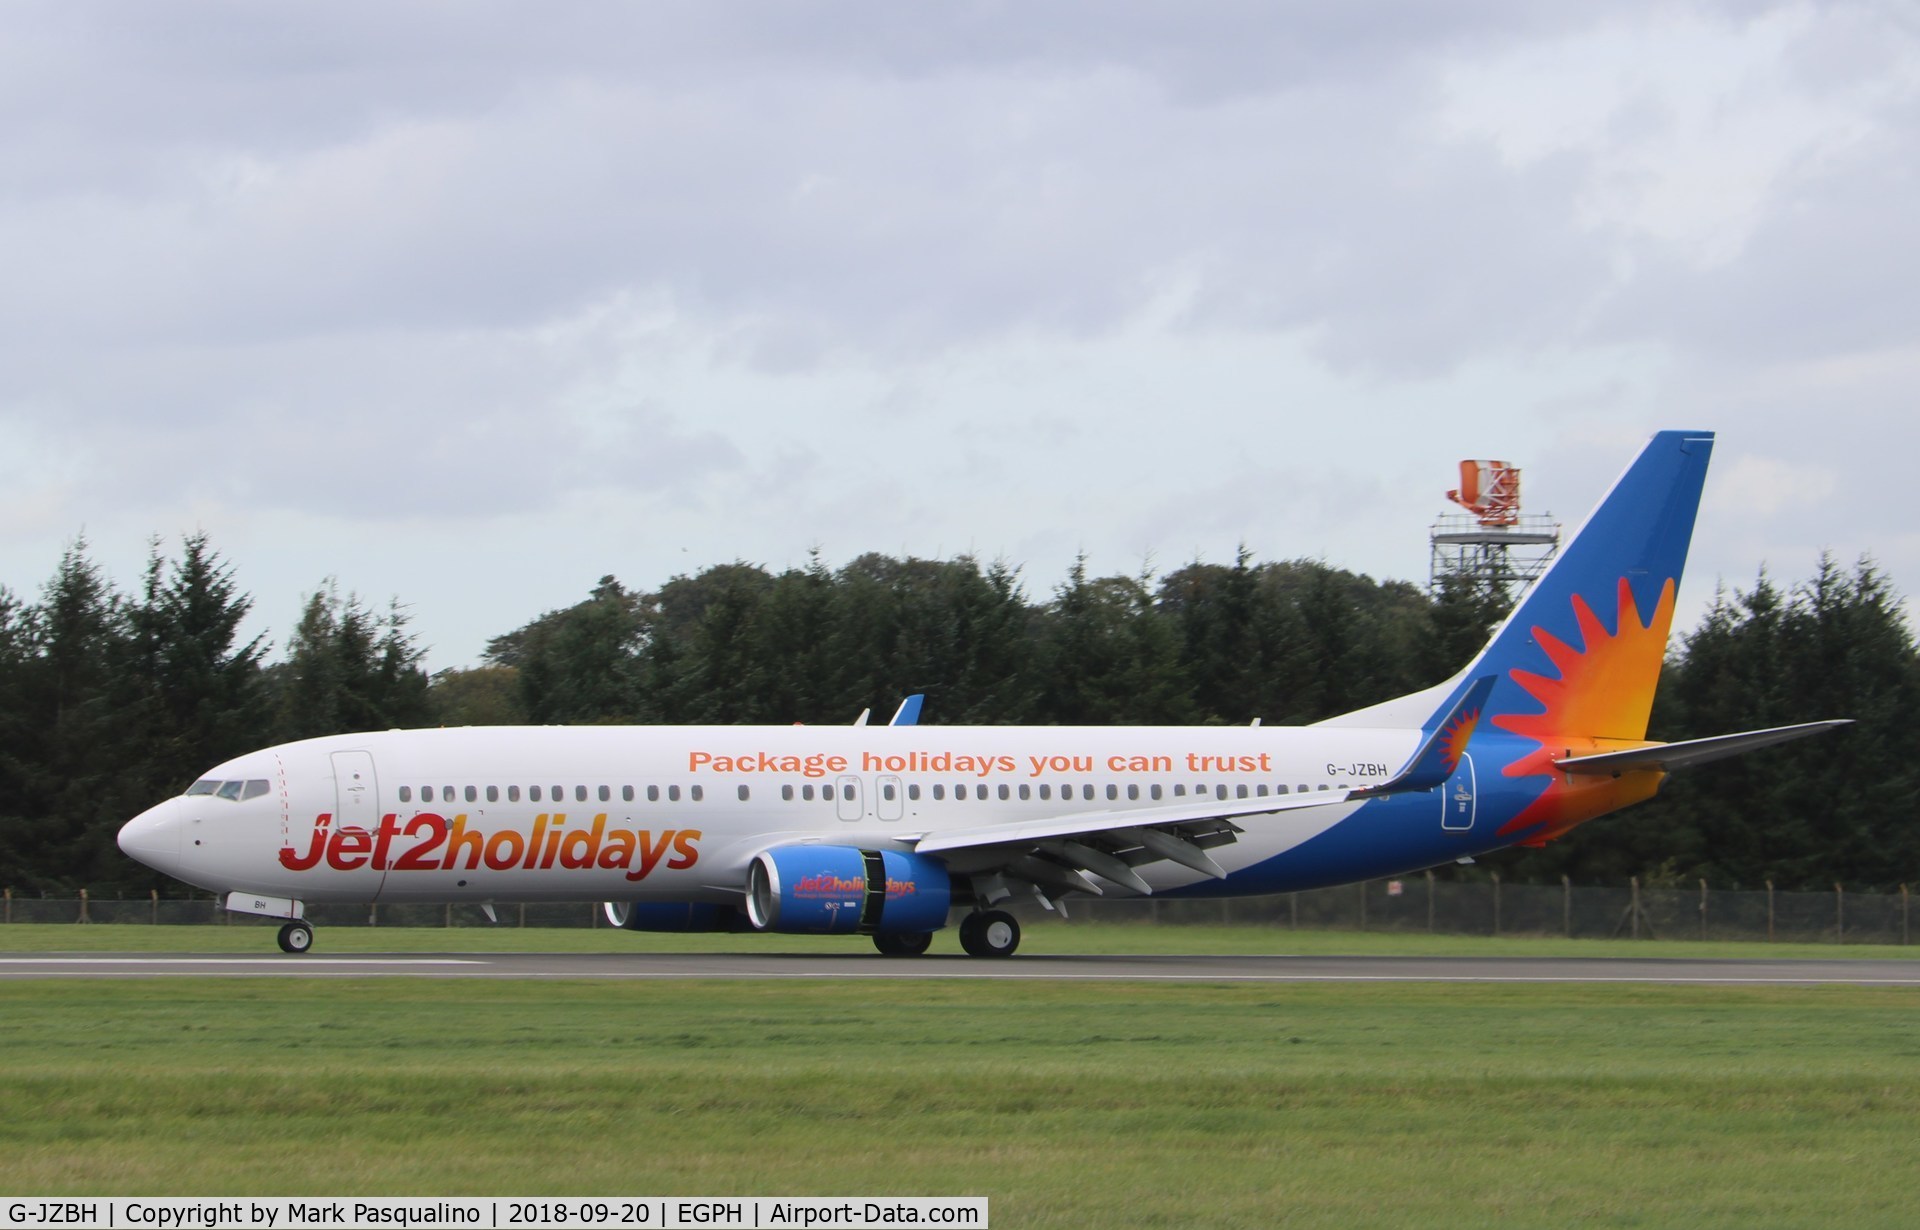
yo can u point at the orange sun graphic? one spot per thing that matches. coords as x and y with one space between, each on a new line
1600 702
1453 743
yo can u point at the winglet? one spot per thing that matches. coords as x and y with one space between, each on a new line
908 714
1439 753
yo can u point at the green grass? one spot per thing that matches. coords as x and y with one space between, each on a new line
1069 1105
1050 937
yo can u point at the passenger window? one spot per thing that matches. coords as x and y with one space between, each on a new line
1004 795
533 794
743 793
473 796
673 794
696 793
913 792
1113 792
786 792
513 794
606 794
406 794
653 794
426 794
1219 792
1046 792
205 785
1154 790
1133 792
230 791
850 791
559 794
1179 790
1026 791
446 792
826 792
1281 788
1261 790
1086 791
939 792
1239 792
959 794
806 794
626 794
887 792
579 794
493 794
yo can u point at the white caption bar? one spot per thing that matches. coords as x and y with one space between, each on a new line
490 1213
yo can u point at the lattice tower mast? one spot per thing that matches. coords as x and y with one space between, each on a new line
1492 541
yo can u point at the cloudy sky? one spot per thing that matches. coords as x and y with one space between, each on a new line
470 304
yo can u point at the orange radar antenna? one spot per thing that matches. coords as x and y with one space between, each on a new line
1490 490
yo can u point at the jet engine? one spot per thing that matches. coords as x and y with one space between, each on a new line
678 916
837 890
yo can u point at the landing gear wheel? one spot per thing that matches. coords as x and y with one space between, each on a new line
989 933
903 943
296 937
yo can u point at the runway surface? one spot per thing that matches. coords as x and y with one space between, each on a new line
1862 971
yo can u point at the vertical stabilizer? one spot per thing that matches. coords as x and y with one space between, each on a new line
1581 653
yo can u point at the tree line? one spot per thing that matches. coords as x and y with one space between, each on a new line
110 701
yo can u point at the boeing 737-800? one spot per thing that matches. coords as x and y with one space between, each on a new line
891 831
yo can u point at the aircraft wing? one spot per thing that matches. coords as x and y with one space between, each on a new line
1059 854
1691 752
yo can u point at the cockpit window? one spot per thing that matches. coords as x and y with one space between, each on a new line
204 786
255 788
230 790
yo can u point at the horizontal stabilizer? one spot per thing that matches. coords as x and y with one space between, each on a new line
1667 756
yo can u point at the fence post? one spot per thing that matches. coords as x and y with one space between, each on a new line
1903 915
9 905
1839 915
83 906
1566 905
1633 882
1769 911
1496 902
1703 908
1429 901
153 908
523 913
448 920
373 914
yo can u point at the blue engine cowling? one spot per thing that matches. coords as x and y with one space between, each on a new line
677 916
839 890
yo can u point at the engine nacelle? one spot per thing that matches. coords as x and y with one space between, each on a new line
677 916
838 890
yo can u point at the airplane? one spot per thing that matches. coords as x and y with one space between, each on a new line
895 831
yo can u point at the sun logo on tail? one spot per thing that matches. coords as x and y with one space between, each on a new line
1604 692
1453 739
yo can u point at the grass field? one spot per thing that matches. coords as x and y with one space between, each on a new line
1069 1105
1093 938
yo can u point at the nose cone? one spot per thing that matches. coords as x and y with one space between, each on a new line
153 837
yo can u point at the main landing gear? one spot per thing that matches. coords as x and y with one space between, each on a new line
903 943
296 937
989 933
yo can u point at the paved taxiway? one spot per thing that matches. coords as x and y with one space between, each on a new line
1861 971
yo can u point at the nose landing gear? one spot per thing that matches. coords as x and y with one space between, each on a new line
296 937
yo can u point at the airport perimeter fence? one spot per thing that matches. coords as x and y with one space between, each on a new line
1412 904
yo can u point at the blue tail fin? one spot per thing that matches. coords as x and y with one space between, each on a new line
1582 651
